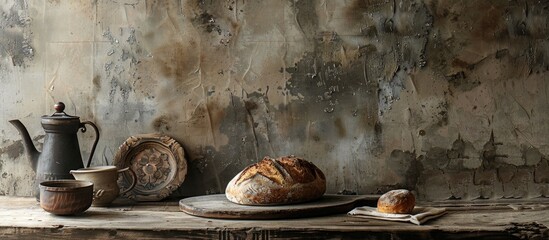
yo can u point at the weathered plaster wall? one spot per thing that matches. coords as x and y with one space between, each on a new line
449 98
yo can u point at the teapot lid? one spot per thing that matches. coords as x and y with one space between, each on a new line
60 113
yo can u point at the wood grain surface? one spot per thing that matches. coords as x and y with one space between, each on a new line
22 218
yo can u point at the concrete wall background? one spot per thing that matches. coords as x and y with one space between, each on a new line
449 98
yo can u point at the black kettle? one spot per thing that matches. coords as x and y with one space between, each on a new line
60 151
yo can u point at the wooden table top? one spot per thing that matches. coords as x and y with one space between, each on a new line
22 218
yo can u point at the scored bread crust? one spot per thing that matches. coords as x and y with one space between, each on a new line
396 201
278 181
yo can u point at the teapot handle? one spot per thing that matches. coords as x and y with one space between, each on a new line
83 129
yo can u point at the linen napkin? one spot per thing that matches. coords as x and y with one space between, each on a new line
418 216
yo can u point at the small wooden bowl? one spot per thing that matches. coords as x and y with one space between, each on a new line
66 197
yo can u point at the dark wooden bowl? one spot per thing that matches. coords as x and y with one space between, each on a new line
66 197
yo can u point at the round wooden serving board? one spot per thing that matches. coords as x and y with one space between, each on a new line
217 206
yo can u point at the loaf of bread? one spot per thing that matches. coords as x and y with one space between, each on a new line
396 201
284 180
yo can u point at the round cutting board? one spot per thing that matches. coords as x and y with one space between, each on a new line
217 206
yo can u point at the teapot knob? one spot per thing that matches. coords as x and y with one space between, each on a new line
59 107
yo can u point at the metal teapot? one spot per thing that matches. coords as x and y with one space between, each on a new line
61 151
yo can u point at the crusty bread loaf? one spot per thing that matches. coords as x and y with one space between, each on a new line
277 181
396 201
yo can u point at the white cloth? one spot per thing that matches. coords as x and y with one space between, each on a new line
418 216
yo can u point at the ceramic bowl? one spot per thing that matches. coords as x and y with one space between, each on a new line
66 197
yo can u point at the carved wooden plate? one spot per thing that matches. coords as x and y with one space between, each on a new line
158 162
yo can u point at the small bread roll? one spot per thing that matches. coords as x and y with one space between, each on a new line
278 181
396 201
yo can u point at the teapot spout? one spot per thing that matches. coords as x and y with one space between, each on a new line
30 149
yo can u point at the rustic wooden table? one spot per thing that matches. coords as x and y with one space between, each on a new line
22 218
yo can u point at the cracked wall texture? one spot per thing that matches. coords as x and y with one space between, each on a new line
448 98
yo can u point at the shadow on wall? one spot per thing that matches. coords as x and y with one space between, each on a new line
462 172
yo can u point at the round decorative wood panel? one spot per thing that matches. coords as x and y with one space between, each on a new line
158 162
